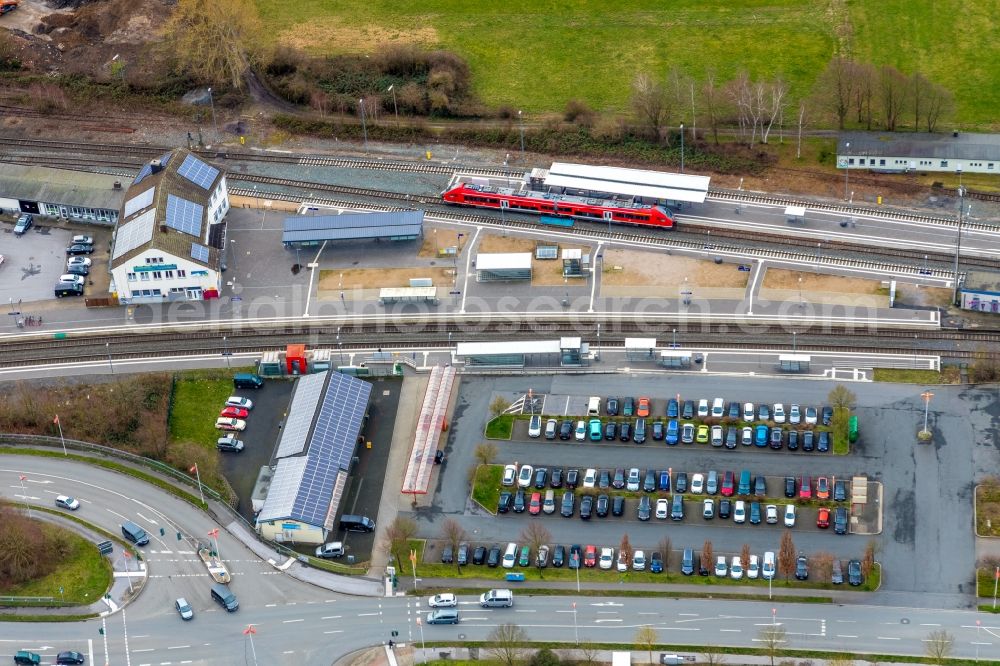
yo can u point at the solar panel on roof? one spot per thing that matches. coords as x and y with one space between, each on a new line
295 434
143 172
184 215
139 201
165 159
198 172
546 252
134 233
199 253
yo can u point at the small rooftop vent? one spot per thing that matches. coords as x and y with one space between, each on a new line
117 185
156 166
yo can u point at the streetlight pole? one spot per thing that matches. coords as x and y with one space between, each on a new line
674 345
682 147
211 101
794 341
958 243
576 628
847 166
341 349
225 351
521 119
364 125
926 395
598 354
395 108
233 242
107 346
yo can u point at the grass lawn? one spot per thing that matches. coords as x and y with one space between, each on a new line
536 55
84 574
501 427
198 399
486 487
900 376
988 509
984 584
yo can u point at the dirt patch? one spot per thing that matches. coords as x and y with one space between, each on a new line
324 33
494 243
377 278
655 269
916 295
780 278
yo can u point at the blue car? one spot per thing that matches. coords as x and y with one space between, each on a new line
672 431
761 435
672 408
665 480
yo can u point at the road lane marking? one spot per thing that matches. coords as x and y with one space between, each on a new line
366 614
143 650
846 636
607 612
565 611
331 617
270 605
301 619
930 624
733 630
888 638
178 647
610 619
979 643
647 613
688 614
848 621
334 631
683 628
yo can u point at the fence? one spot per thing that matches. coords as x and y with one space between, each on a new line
227 504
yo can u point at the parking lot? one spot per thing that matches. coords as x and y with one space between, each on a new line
34 261
923 488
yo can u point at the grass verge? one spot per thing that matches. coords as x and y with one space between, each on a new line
988 509
486 486
668 594
501 427
83 574
47 618
199 396
901 376
984 583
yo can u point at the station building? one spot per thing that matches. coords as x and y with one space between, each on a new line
171 236
906 152
980 291
79 196
312 230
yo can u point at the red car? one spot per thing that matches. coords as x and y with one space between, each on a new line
590 556
535 505
805 487
643 408
728 484
822 488
234 413
823 518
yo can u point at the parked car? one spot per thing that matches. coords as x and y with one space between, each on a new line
589 478
673 431
717 439
839 491
808 441
763 413
732 437
802 568
604 479
673 409
79 248
811 416
649 481
541 477
681 482
760 486
607 558
662 508
805 488
632 484
575 556
658 431
854 576
793 440
231 401
622 561
687 412
740 512
556 478
794 415
549 503
524 476
586 507
687 433
703 434
558 555
628 407
708 509
736 568
712 482
230 424
823 518
572 478
664 480
755 513
568 500
768 566
703 408
519 501
479 555
565 430
655 563
771 514
542 558
822 488
642 409
733 411
823 442
617 505
493 558
837 574
721 568
760 436
610 431
688 562
235 412
753 568
789 515
509 475
777 438
580 432
611 407
789 486
535 504
510 556
590 556
624 432
504 502
24 222
779 413
840 520
748 412
535 426
728 484
725 508
84 261
827 415
602 505
525 558
643 510
698 483
551 429
639 560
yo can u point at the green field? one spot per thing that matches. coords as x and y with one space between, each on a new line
537 55
198 398
83 573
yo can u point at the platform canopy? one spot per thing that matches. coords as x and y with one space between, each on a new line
628 182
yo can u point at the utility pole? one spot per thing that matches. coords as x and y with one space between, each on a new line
521 119
211 101
395 108
682 147
847 166
364 126
958 243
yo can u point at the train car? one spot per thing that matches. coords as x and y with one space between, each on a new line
557 205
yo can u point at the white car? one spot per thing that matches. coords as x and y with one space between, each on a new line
83 240
740 512
771 514
767 569
753 569
524 476
67 502
736 568
622 562
720 566
698 483
638 561
549 503
581 431
78 261
509 475
789 515
443 600
237 401
811 415
779 413
633 480
746 436
510 556
662 508
794 415
607 559
535 426
748 412
703 407
590 478
716 435
70 278
223 423
708 509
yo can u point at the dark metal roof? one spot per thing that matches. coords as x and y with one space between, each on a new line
60 186
352 226
920 145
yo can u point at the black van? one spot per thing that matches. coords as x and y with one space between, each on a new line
357 523
134 533
222 594
247 380
68 289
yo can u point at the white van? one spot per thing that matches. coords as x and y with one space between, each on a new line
497 598
594 406
717 408
510 556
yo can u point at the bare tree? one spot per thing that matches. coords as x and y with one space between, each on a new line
590 652
786 555
645 638
678 93
485 453
745 556
771 104
868 559
713 99
397 537
774 637
822 565
453 534
625 550
892 89
215 40
841 397
706 554
836 87
938 645
864 92
802 116
741 94
649 102
938 104
712 655
919 89
535 534
840 661
498 406
665 546
505 643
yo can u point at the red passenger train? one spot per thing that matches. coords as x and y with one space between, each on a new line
558 205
